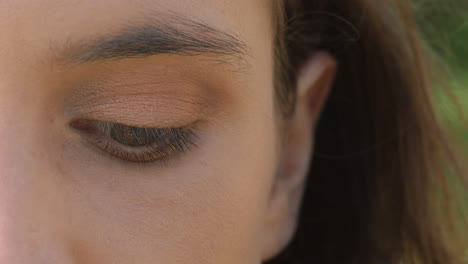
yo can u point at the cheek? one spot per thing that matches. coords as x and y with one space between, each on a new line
207 207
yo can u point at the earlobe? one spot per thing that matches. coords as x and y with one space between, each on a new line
314 80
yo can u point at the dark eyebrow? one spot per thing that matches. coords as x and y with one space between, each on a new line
180 36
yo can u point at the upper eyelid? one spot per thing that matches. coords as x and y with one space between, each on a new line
143 119
140 109
128 93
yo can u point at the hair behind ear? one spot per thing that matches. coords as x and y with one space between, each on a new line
375 190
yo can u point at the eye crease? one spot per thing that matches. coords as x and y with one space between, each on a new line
136 144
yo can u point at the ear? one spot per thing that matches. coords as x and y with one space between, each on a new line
314 80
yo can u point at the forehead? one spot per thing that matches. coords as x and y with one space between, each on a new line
30 27
106 11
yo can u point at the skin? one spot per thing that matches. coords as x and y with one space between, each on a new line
231 199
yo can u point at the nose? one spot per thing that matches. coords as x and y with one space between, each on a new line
31 229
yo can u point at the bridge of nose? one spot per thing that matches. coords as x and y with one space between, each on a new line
33 213
32 219
32 200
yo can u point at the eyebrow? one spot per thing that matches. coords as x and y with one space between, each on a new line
178 35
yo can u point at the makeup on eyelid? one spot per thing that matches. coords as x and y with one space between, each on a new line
161 109
148 95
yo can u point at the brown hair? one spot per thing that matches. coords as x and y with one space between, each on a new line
379 187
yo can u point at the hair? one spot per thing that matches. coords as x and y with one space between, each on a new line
380 188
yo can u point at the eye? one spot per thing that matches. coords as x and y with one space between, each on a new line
137 144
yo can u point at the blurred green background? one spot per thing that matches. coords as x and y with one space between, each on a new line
444 25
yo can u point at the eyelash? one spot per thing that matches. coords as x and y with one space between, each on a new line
137 144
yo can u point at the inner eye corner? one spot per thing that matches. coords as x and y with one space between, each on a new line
81 124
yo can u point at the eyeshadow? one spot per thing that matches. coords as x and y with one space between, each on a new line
163 91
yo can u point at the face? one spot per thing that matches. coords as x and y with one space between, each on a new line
136 131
